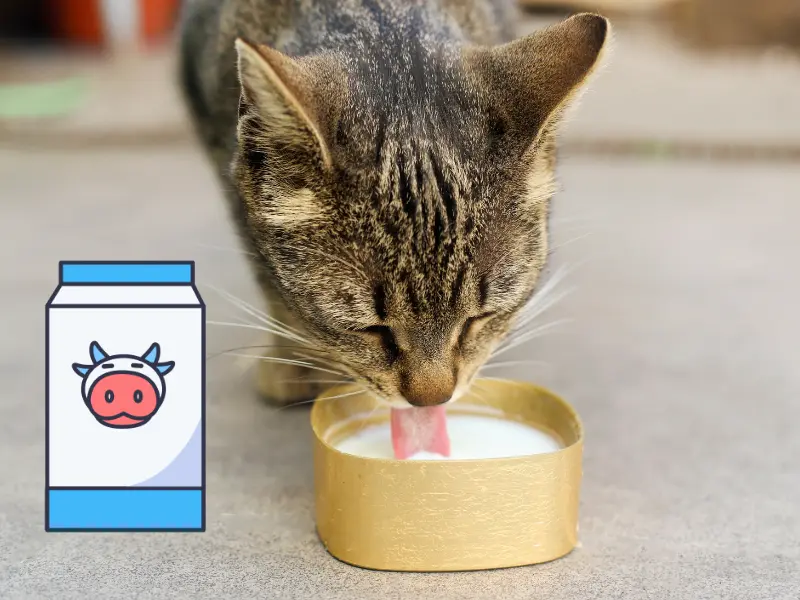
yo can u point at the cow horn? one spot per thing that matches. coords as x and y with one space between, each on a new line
81 370
151 356
165 368
97 352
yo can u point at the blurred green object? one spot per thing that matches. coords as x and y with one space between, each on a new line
48 99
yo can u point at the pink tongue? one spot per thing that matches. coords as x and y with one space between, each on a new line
422 429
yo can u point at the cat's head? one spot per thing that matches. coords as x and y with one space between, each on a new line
399 198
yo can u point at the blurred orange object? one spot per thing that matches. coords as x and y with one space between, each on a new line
99 22
157 17
77 21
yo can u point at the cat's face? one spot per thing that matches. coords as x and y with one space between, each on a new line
405 231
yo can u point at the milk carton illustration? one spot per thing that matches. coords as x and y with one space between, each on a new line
125 405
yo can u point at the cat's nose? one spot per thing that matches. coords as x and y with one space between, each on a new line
428 387
428 397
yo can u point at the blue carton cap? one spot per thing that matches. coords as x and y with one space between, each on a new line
142 273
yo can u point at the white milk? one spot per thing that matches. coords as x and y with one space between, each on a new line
471 436
121 336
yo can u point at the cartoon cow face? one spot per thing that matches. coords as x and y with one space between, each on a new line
123 391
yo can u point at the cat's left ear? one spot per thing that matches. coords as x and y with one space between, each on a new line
531 80
292 97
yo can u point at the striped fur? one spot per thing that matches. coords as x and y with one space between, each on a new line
390 164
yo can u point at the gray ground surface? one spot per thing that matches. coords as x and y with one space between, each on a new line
681 360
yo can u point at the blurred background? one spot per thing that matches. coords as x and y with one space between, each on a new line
690 76
677 223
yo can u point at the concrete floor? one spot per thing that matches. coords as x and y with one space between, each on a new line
681 360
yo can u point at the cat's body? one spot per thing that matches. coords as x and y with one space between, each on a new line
390 166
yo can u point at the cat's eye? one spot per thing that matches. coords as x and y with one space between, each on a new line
388 341
470 323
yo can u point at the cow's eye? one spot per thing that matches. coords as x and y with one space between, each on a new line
137 396
109 396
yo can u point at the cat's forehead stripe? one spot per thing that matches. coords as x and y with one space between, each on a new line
483 292
428 186
379 297
458 285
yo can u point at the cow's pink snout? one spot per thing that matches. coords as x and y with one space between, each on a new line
128 393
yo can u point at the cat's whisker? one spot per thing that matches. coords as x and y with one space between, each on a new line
519 332
482 399
344 395
278 328
558 221
542 301
559 231
258 347
311 401
514 363
531 332
569 241
365 422
285 361
541 295
529 335
477 383
242 325
510 381
242 320
325 360
275 359
285 325
264 317
251 326
596 216
274 346
233 313
299 380
252 310
225 249
529 319
329 362
471 392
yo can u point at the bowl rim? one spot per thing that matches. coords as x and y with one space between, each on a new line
573 415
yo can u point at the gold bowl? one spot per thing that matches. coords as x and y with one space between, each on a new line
450 515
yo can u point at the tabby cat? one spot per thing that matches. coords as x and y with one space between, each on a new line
389 164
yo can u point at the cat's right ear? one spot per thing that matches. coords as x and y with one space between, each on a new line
531 80
281 91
